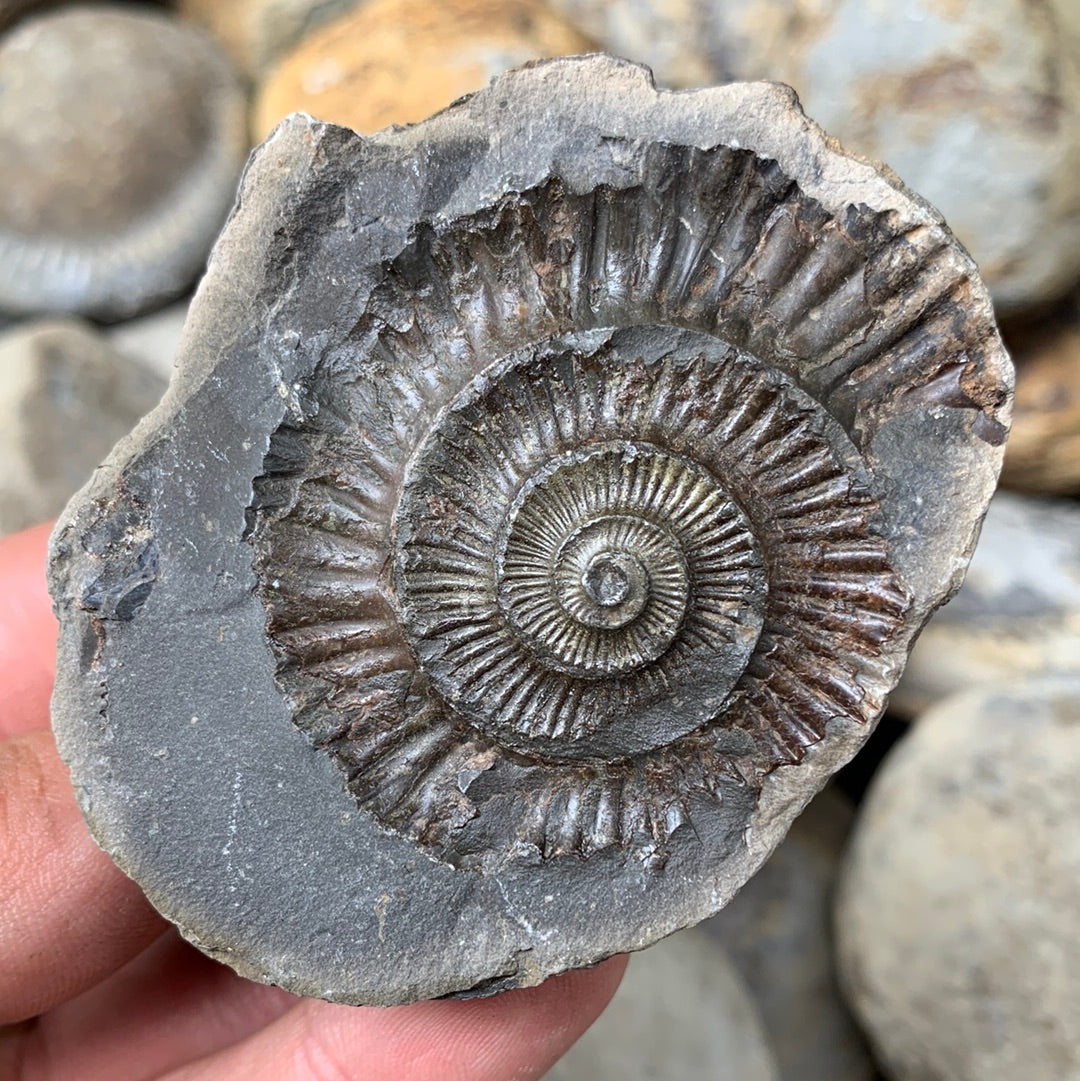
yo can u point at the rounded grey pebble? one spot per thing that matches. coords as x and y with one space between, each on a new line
682 1013
975 105
1017 614
10 10
123 133
65 398
777 932
153 339
957 917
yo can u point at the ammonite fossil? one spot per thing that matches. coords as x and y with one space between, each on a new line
544 506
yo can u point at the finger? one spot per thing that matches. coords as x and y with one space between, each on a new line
518 1034
27 633
68 916
169 1005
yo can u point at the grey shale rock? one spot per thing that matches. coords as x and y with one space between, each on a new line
122 134
778 933
1018 613
682 1013
66 397
541 511
975 104
957 917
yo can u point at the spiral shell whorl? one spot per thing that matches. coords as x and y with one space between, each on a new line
613 553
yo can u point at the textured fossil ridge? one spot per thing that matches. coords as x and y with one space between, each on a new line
604 627
544 507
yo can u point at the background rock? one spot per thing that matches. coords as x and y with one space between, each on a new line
778 933
957 917
1017 613
1043 453
122 133
682 1010
10 10
65 398
976 105
256 33
397 61
153 339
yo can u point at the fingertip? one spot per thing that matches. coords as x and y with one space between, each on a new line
517 1034
28 632
69 916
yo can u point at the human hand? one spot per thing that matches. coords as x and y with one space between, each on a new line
95 986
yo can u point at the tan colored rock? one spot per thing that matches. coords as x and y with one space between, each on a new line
958 919
66 396
257 33
682 1013
1043 453
1017 614
397 61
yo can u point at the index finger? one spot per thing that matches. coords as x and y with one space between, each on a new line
27 633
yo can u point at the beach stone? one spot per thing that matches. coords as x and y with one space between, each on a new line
500 449
1017 614
153 340
975 104
1043 454
257 33
681 1013
777 932
957 923
397 61
10 10
123 132
66 396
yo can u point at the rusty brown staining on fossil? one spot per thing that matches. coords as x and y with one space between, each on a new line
578 529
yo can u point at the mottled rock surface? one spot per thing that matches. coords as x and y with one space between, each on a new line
975 105
957 921
65 398
1018 613
460 525
778 934
1043 455
122 134
681 1013
397 61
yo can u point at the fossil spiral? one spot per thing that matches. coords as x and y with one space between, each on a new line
573 509
544 506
